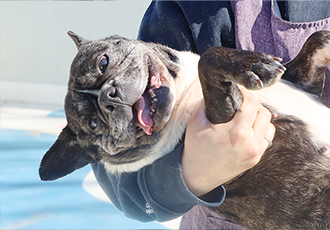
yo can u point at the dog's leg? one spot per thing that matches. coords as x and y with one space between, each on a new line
307 69
220 68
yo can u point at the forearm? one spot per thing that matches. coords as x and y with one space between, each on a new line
156 192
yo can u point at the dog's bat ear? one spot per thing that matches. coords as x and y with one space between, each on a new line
76 38
65 156
308 68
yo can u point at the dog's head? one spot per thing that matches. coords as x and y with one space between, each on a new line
120 96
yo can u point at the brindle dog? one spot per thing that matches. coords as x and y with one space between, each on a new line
128 104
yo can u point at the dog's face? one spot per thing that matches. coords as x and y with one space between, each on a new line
120 96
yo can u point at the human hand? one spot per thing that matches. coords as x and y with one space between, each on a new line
216 153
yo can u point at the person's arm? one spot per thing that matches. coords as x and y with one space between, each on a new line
213 154
155 192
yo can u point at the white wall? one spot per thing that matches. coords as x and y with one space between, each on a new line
36 52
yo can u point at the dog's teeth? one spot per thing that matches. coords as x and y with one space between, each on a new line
154 100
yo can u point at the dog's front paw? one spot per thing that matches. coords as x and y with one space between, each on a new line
262 70
258 70
250 69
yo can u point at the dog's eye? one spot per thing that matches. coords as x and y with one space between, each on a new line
93 123
103 63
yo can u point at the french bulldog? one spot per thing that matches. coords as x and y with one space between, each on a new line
128 104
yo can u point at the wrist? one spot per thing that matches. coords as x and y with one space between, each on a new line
194 177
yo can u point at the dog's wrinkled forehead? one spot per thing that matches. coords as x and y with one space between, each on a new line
86 68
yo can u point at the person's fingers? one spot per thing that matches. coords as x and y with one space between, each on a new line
200 116
267 139
261 122
263 129
248 111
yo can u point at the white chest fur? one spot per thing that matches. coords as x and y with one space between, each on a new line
287 100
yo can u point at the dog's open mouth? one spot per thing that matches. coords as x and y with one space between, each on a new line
146 106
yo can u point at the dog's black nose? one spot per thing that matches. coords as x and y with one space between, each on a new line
110 89
112 92
109 98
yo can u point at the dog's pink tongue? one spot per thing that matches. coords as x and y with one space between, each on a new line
142 107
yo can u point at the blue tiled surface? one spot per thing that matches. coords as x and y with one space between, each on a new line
57 113
28 203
